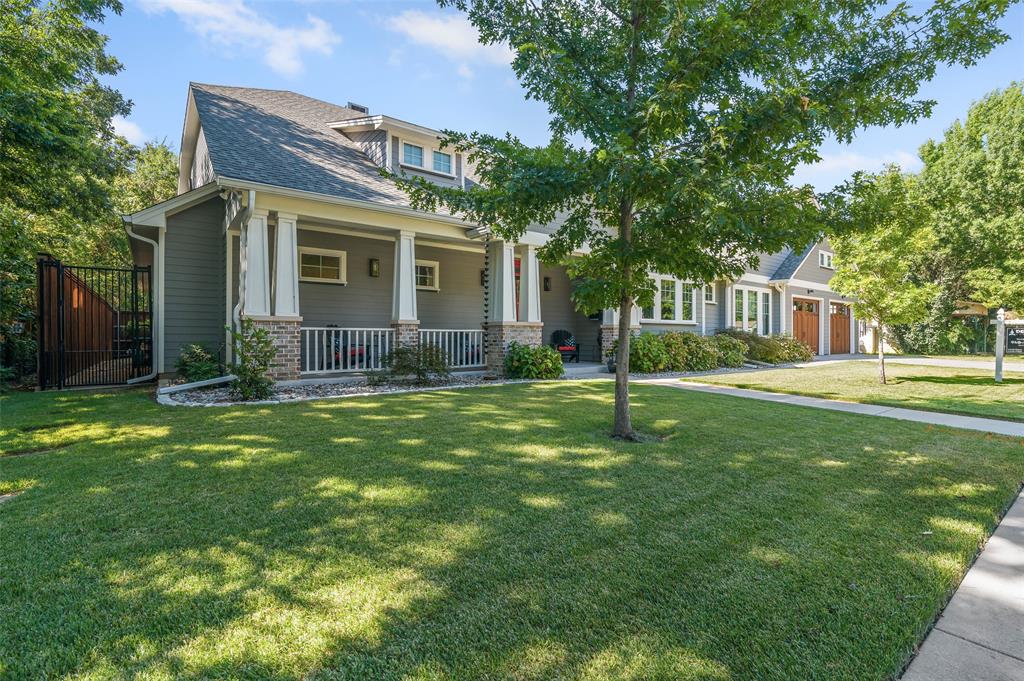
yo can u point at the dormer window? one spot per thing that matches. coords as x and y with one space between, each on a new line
412 155
442 162
825 260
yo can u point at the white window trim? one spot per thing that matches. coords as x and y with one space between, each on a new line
732 307
437 275
342 261
428 157
713 300
678 319
831 260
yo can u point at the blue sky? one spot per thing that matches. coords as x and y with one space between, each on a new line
412 61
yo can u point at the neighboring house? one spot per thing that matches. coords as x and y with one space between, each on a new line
283 217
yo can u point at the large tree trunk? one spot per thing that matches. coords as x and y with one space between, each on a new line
881 355
623 418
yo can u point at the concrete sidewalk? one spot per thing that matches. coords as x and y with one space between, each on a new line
980 634
1012 428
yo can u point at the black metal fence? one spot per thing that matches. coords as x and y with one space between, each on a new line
94 324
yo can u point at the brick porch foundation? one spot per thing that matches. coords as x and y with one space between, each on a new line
610 334
407 334
500 334
285 334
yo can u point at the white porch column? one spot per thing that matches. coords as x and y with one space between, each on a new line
257 266
529 284
403 297
286 257
503 282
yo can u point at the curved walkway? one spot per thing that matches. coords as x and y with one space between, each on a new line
980 634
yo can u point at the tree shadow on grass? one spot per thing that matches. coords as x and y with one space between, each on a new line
988 381
482 534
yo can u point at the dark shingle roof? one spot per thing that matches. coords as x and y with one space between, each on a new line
282 138
792 262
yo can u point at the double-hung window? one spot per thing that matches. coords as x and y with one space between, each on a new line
675 302
752 310
412 155
710 294
442 162
825 260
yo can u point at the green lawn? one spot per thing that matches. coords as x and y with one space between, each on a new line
956 391
485 533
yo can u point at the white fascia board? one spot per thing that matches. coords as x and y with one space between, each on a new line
803 283
388 123
156 215
232 183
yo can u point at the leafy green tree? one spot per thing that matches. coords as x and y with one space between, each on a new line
974 179
152 178
676 125
884 232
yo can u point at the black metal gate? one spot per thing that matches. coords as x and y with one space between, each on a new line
94 324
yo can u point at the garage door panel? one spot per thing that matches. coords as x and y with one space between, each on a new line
839 325
806 322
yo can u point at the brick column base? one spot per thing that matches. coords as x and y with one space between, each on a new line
285 334
500 334
407 334
609 335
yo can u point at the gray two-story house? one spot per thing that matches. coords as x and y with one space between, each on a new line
283 217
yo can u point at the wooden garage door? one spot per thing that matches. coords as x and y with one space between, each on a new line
839 323
805 321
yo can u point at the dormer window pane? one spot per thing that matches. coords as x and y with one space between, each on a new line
443 162
412 155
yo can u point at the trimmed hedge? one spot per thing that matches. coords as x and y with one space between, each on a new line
650 353
774 349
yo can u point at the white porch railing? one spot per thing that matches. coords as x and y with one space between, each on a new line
463 348
330 349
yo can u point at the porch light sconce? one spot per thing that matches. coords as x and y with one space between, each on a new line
810 290
547 283
374 267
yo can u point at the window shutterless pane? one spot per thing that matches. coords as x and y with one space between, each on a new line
424 275
752 306
442 162
310 270
765 313
687 302
738 314
668 299
413 155
709 293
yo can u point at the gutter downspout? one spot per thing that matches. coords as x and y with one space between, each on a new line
243 217
155 324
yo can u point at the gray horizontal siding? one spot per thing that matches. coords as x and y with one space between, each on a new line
365 301
459 302
194 286
558 312
810 270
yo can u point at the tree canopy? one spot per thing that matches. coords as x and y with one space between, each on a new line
676 126
883 233
974 180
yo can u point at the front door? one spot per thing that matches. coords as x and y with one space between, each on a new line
805 321
839 323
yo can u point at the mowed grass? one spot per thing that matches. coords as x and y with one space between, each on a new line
956 391
485 533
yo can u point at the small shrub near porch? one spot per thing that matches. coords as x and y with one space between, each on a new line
527 361
423 364
774 349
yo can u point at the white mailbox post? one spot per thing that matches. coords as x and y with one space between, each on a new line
1000 343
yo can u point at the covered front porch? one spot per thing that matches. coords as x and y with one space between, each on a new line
337 297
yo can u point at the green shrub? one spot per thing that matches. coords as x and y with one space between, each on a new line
196 363
647 354
700 351
776 349
794 350
426 363
675 345
731 351
254 352
527 361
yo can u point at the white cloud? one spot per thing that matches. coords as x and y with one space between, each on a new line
232 24
833 168
130 131
449 34
465 71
